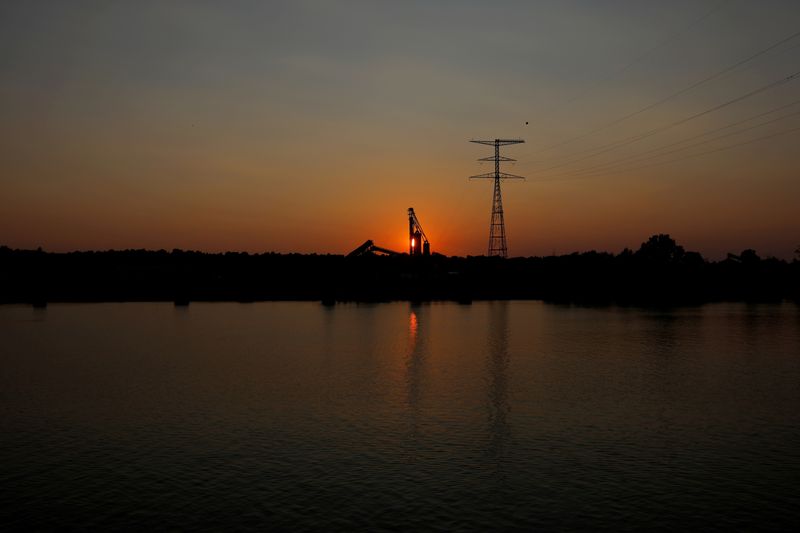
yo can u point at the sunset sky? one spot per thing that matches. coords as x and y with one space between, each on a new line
311 126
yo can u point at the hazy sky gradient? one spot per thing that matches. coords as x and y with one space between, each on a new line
311 126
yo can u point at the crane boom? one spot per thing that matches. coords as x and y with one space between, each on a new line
369 248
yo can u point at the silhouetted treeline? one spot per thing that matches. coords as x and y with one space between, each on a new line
660 271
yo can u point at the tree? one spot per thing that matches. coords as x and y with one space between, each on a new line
661 248
749 257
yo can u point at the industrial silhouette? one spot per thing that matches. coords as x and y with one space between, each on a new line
369 247
417 241
416 236
497 227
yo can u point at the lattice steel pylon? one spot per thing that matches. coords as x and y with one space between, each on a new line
497 227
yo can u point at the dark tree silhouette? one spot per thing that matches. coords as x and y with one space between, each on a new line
660 272
661 249
749 257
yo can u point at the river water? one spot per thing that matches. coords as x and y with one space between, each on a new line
496 415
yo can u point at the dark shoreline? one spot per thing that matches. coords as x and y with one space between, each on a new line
659 273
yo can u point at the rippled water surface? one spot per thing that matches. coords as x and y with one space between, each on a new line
494 415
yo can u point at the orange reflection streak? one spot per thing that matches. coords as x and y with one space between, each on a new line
412 327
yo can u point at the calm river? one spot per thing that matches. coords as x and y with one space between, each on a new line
496 415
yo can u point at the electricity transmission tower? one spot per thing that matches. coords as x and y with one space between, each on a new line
497 227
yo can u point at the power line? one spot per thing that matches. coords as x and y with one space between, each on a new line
707 132
638 137
677 93
650 51
721 149
570 157
639 158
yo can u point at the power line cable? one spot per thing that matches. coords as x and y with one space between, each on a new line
638 137
570 157
677 93
650 51
643 157
705 133
721 149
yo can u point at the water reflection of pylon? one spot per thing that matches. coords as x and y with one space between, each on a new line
497 363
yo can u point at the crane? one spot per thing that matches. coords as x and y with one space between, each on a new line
417 240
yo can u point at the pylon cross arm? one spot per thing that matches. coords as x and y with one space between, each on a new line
501 175
498 142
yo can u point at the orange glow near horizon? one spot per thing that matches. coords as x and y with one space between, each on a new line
310 137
